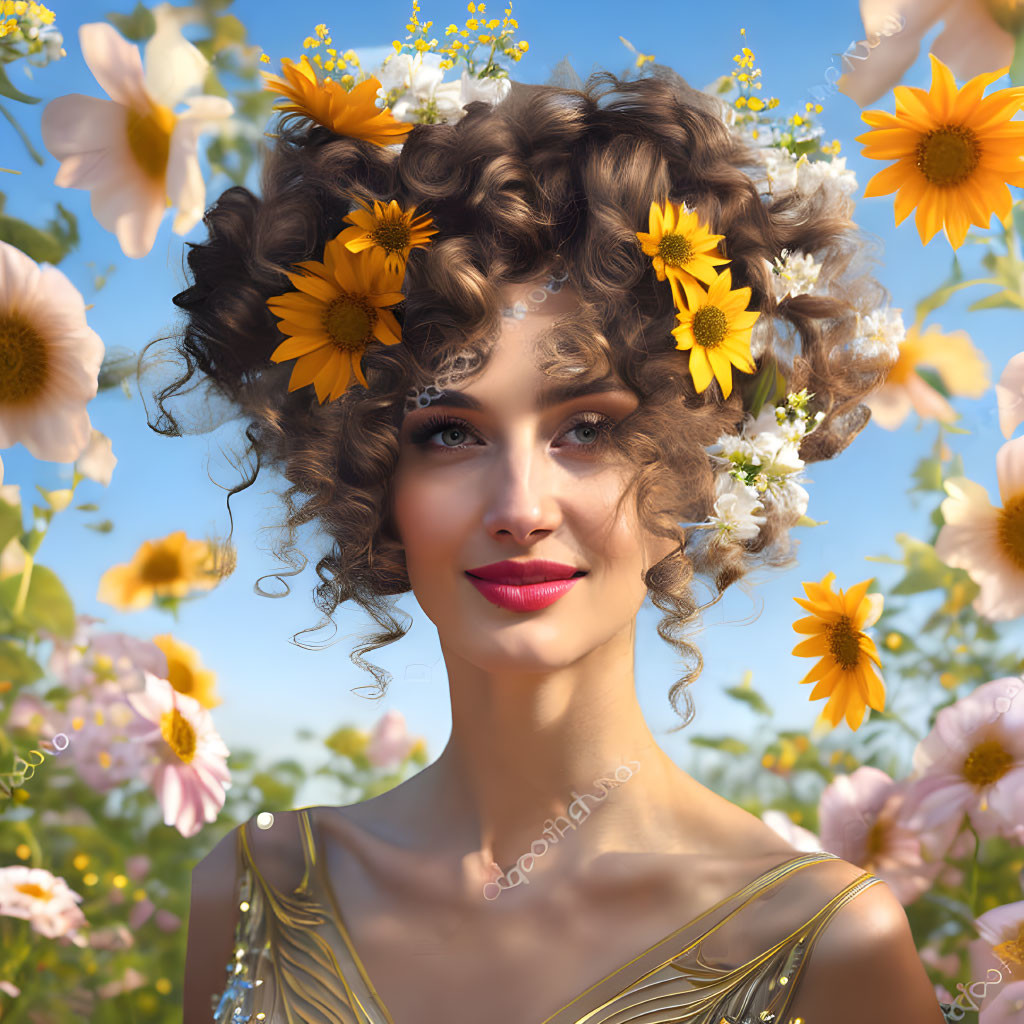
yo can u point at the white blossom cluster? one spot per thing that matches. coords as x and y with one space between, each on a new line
785 172
793 274
880 333
760 469
425 96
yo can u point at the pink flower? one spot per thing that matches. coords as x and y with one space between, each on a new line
167 921
140 913
1007 1006
41 898
986 541
190 775
1003 929
116 937
133 152
130 980
860 820
98 460
1010 395
137 866
389 742
973 761
10 988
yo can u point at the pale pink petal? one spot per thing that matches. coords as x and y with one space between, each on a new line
971 42
115 63
185 186
1001 923
1010 470
967 502
80 127
170 792
927 402
889 406
97 462
174 67
1010 395
58 433
132 209
1006 1005
1002 596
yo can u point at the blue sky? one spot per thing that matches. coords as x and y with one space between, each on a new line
270 686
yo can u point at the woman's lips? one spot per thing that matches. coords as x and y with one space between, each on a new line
523 597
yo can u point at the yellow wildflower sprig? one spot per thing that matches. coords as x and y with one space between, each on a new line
17 20
796 133
479 31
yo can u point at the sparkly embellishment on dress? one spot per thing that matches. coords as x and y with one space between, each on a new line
235 1004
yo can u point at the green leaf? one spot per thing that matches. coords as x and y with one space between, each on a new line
1004 299
347 741
751 698
932 378
8 90
16 666
50 246
47 605
137 26
728 744
87 506
10 523
102 527
25 140
928 475
275 792
765 386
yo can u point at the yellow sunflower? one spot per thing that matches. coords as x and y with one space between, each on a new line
337 309
847 670
390 228
955 152
353 113
170 567
680 246
715 326
185 673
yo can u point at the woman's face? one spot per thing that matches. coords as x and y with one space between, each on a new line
514 478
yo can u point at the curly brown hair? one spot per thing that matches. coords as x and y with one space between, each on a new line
549 176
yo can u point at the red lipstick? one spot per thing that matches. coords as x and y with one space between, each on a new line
524 586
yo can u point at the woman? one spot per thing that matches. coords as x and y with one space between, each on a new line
491 378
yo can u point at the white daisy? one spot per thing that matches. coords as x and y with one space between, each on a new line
133 152
734 517
986 541
793 274
880 333
50 360
41 898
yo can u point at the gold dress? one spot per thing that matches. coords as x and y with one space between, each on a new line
295 962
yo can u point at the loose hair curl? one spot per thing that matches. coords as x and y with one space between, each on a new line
549 177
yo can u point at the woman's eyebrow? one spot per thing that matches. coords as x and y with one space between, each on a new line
547 398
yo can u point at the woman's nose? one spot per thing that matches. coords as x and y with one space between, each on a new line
523 493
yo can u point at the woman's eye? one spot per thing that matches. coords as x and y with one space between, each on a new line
591 430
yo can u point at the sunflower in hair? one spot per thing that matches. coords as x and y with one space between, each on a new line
392 230
337 309
680 246
716 327
353 113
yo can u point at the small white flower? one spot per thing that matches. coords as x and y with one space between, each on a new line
780 168
41 898
421 80
794 274
832 174
734 517
880 333
489 90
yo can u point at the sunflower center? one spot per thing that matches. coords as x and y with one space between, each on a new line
180 676
948 155
349 321
675 249
988 762
1012 950
391 235
33 890
149 139
710 326
843 642
161 567
178 733
23 360
1010 530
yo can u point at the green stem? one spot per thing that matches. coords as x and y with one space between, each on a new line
26 577
974 869
902 723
